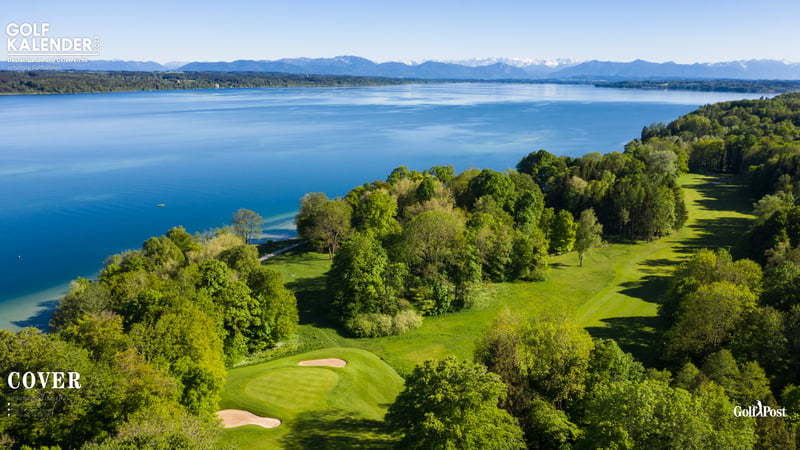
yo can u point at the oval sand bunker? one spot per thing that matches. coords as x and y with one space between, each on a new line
236 418
329 362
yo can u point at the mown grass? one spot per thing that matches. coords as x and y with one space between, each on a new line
615 295
320 407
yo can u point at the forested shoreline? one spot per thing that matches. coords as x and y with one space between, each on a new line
78 82
155 334
752 86
18 82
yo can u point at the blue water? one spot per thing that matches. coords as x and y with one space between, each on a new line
81 175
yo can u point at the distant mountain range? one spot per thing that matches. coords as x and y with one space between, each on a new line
477 69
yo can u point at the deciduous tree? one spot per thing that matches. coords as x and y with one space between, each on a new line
450 404
332 225
247 223
588 234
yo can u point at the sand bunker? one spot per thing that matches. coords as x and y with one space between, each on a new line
236 418
330 362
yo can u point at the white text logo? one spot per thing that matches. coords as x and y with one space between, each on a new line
759 410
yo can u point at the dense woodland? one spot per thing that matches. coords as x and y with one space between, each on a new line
74 82
151 338
772 86
421 243
157 329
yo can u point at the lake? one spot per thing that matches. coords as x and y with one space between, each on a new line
81 175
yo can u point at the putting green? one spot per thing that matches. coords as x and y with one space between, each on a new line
319 406
297 388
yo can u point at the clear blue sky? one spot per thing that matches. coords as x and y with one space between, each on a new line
683 31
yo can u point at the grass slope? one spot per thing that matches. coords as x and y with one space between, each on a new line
321 407
614 295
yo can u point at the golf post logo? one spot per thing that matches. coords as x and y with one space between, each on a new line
759 410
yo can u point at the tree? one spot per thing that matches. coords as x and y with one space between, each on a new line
708 317
548 427
185 340
608 363
278 305
164 427
562 232
529 257
426 189
331 225
161 252
654 415
497 185
493 237
247 223
63 415
528 208
588 234
99 333
450 404
84 297
242 258
399 173
375 213
444 265
357 279
310 206
183 240
443 173
781 286
549 356
541 166
706 267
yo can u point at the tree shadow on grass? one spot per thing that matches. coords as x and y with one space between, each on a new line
41 319
724 193
336 429
640 335
649 288
636 335
313 304
723 232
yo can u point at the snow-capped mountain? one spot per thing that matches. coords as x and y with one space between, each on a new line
478 68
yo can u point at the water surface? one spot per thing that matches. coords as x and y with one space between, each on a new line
81 175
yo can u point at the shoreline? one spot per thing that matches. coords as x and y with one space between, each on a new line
32 309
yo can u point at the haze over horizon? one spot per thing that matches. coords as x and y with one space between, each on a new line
684 32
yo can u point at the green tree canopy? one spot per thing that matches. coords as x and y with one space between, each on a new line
588 234
562 232
357 278
375 213
549 355
310 206
331 225
450 404
708 317
495 184
654 415
246 224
